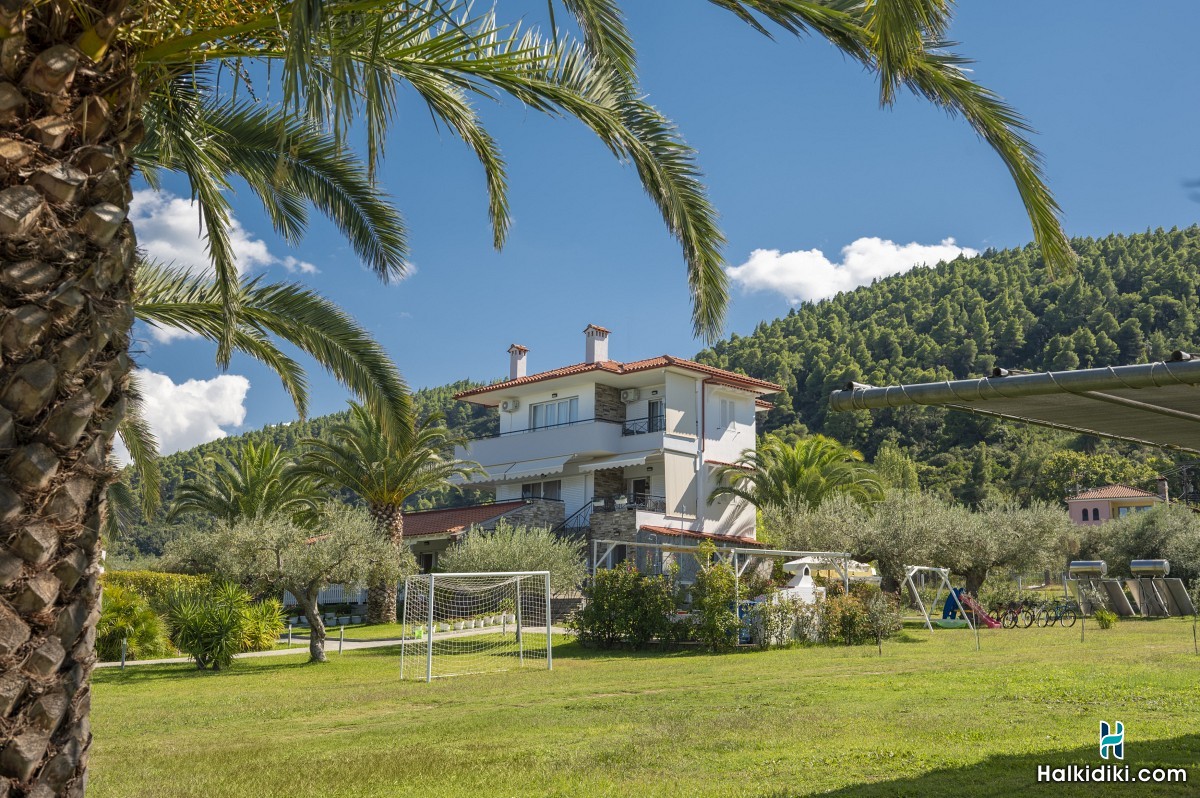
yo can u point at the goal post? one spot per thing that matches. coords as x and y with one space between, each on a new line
456 624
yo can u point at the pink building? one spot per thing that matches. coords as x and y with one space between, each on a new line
1097 505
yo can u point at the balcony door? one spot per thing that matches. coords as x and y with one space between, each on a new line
639 490
655 416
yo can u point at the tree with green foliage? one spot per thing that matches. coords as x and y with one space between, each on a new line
260 481
895 469
806 472
1004 535
383 473
273 554
1063 474
1166 531
519 548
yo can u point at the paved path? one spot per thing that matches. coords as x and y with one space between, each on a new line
300 646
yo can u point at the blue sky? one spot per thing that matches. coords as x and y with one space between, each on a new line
798 157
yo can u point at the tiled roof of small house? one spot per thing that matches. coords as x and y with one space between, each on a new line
615 367
455 519
1114 492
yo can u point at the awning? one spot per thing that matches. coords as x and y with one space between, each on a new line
535 468
621 461
490 474
1157 404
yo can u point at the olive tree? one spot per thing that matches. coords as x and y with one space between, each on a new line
519 548
1003 534
275 553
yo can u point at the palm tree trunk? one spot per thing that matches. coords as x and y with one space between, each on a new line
381 597
66 274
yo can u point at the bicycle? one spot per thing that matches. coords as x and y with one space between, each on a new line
1064 613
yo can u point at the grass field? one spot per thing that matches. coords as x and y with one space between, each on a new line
932 716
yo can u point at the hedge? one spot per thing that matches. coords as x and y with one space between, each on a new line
155 586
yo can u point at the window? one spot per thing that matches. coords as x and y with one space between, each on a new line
1122 512
1095 513
427 560
542 490
655 416
727 408
551 414
1083 513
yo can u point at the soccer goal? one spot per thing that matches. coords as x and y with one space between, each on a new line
475 623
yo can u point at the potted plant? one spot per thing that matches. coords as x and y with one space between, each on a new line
458 625
443 627
621 502
355 619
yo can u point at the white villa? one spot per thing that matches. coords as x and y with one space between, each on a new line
629 449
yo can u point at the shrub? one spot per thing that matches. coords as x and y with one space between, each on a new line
212 625
883 615
126 615
624 606
779 621
264 625
714 622
843 619
1105 619
156 587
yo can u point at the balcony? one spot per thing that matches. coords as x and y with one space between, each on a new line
588 438
643 426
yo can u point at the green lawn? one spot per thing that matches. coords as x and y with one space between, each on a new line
932 716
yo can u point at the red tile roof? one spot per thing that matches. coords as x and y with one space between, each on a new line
687 533
454 519
614 367
1114 492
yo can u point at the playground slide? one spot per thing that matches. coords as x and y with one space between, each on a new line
969 602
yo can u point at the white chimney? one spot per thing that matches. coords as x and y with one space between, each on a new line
597 343
516 361
1163 491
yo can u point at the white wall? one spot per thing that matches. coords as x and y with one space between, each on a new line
544 392
727 443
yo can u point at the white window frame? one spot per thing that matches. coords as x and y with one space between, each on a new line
572 409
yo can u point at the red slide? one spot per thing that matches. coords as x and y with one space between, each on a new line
971 604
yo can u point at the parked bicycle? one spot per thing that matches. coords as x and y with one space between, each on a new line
1059 611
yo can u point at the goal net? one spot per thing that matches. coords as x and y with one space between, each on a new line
457 624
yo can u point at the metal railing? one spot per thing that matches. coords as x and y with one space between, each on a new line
637 501
641 426
574 423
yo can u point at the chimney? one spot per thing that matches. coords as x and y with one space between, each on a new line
1164 492
516 361
597 343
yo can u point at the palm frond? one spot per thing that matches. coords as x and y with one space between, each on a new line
175 298
142 445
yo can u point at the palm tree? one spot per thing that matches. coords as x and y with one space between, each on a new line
86 83
258 482
384 473
803 474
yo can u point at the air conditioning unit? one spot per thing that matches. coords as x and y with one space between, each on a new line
510 405
630 395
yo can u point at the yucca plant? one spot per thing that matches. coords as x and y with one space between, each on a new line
263 625
210 627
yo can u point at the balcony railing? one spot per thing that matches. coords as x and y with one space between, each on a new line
582 518
641 426
636 501
576 423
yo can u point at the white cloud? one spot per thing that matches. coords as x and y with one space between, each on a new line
169 229
192 412
808 275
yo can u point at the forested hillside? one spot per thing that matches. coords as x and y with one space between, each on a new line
1129 299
